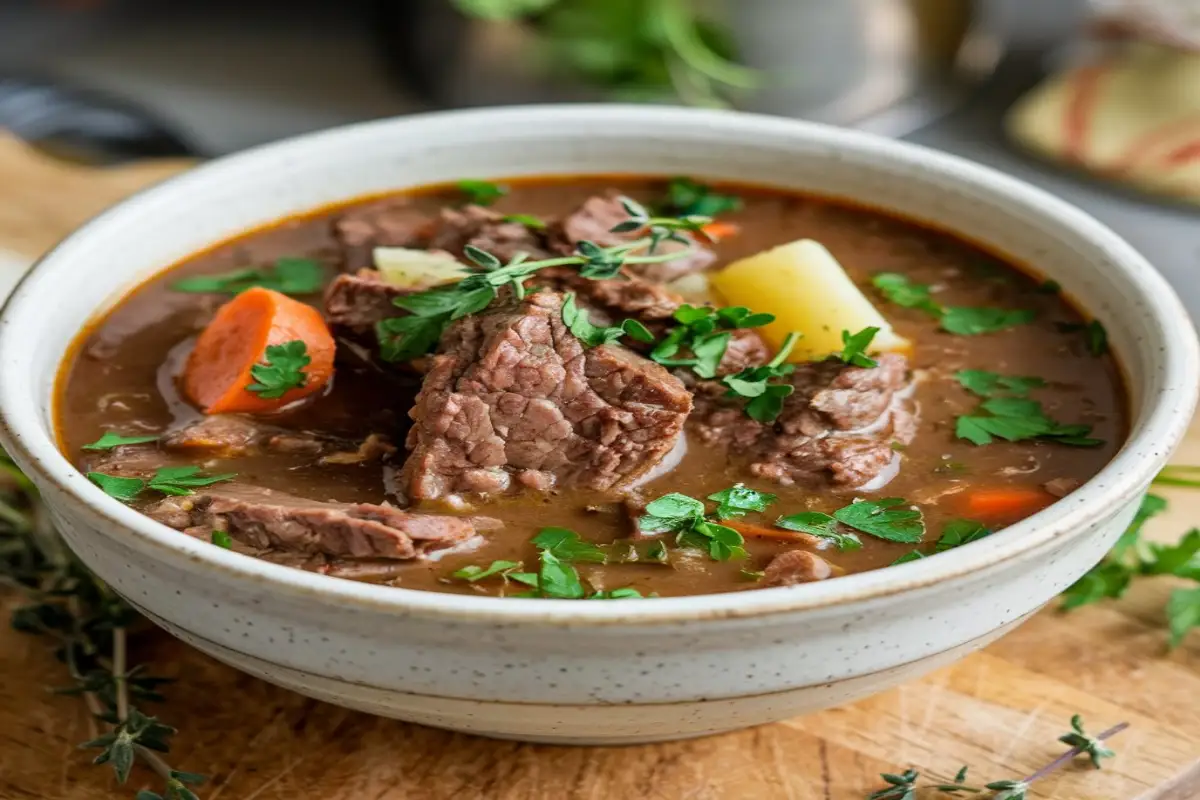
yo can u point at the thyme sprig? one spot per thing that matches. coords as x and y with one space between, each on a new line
89 626
407 337
903 786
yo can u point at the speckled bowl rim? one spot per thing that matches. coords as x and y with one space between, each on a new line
1160 426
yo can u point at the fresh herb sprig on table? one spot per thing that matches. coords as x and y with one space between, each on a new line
288 275
411 336
904 786
1132 557
89 627
960 320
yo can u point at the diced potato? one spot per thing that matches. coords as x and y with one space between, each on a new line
807 290
417 269
694 288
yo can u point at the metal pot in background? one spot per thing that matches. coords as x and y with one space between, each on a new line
889 66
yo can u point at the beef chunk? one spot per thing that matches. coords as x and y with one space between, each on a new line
796 566
267 520
355 302
487 230
514 400
596 218
393 222
232 436
838 427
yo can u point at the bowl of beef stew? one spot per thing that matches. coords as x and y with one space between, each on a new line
596 424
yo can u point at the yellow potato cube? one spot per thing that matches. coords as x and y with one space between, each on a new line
807 290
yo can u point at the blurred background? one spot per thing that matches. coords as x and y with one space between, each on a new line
1004 82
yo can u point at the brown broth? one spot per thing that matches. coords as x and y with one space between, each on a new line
120 375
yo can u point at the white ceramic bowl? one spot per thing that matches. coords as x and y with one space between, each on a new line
564 671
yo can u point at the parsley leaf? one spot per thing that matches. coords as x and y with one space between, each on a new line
821 525
474 572
1095 337
738 499
558 579
1183 613
684 516
568 546
766 399
282 371
958 532
481 193
703 331
964 321
181 480
167 480
991 384
222 539
903 292
616 594
122 488
1017 419
686 197
854 350
289 275
576 319
528 220
890 518
976 321
1112 576
911 555
110 440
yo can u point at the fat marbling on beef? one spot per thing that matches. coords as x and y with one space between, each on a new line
514 400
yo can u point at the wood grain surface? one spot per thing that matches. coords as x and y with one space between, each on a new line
998 711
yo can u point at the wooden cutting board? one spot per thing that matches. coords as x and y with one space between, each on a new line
999 711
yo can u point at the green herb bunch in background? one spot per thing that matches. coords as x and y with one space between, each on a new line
643 50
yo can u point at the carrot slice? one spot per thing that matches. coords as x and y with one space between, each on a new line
1004 502
763 532
218 372
716 231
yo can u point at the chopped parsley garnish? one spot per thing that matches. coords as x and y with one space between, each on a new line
903 292
167 480
754 383
992 384
854 347
568 546
404 338
1016 419
576 319
288 275
282 371
960 320
558 579
703 332
890 518
976 321
110 440
481 193
222 539
684 516
958 532
1095 337
528 220
739 499
686 198
822 526
474 572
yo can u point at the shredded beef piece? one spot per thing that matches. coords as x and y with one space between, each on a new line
837 427
232 436
596 218
392 222
355 302
795 566
268 520
1061 487
514 400
487 230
